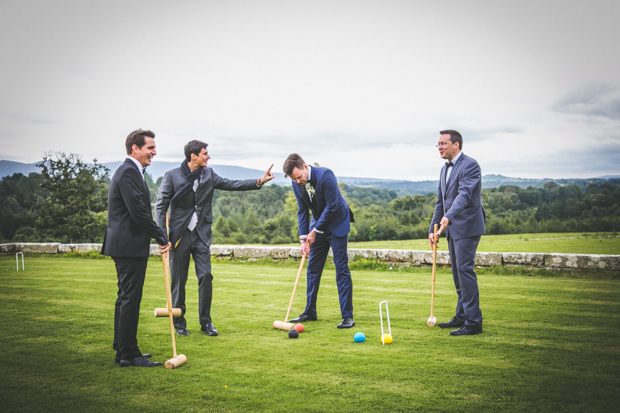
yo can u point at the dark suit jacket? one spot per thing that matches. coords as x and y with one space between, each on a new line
460 199
201 201
130 221
330 211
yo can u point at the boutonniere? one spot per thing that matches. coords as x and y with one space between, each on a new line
310 188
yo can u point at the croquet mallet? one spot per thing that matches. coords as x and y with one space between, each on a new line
432 320
176 360
284 325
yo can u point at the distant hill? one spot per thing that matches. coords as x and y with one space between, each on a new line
8 168
402 188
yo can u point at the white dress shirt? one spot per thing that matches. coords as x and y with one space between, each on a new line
449 168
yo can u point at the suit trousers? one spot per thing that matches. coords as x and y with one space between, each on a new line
191 243
318 254
462 258
130 273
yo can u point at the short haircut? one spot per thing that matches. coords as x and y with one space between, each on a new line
293 160
454 137
193 147
137 138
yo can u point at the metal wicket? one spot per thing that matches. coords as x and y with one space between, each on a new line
17 261
387 312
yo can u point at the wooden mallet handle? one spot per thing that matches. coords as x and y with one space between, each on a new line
301 267
434 266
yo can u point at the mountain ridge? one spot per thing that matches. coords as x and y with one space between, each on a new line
402 187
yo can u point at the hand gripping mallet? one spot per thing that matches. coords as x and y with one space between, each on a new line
432 320
176 360
283 325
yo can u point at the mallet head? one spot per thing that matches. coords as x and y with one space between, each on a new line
175 362
432 321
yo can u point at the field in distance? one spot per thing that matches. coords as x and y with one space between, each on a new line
607 243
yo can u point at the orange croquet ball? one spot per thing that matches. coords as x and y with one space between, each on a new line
299 327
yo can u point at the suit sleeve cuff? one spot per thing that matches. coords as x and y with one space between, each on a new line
162 241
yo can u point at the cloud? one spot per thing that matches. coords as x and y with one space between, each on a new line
599 99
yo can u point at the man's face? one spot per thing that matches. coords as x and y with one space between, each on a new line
201 159
300 175
447 149
145 153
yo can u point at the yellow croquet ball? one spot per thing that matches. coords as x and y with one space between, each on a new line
387 339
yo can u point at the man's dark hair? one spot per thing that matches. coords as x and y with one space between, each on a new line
454 137
194 147
137 138
293 160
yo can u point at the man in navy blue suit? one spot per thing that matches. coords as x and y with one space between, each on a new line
460 213
316 189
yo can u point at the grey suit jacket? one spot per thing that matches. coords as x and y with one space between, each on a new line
200 201
460 199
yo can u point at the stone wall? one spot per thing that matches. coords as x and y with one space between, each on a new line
419 258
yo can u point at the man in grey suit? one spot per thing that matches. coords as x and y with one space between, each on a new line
460 213
187 192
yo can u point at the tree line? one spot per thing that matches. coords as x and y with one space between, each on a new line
67 202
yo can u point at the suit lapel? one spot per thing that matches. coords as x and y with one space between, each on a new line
455 169
444 172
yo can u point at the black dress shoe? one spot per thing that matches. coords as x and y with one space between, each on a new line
467 331
453 323
303 318
209 330
117 360
182 331
139 362
347 322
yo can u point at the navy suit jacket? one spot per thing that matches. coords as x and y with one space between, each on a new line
460 199
130 220
330 212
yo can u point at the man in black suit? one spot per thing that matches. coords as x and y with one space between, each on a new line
127 241
187 192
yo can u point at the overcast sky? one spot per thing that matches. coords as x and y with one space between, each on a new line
362 87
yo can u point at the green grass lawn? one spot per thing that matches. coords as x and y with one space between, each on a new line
549 344
566 243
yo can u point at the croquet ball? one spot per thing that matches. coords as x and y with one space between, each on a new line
359 337
387 339
299 328
293 334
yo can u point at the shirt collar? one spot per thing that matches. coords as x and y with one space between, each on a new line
456 158
309 173
138 165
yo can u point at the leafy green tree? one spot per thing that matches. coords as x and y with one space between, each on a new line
19 196
78 196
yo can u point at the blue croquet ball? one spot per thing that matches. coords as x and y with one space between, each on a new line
293 334
359 337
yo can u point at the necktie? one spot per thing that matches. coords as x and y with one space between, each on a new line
449 164
194 220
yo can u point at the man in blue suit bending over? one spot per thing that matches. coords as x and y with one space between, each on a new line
316 189
460 213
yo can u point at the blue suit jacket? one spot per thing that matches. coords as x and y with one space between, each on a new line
460 199
330 212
